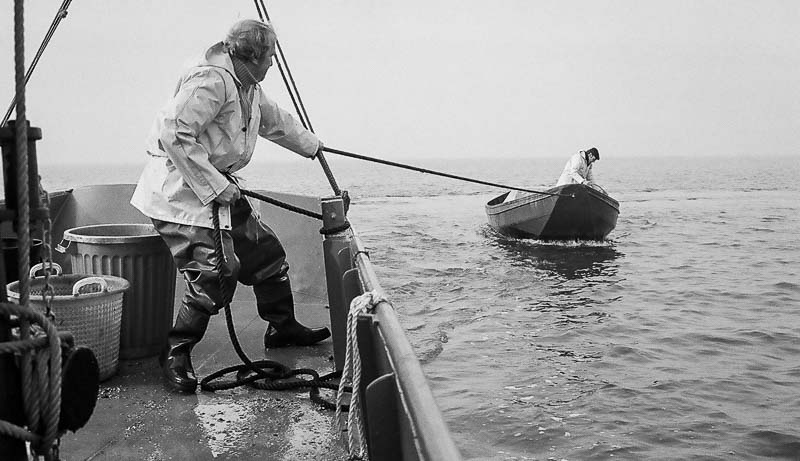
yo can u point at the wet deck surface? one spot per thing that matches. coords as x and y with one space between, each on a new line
138 418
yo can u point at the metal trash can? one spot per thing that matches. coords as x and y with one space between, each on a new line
136 253
90 307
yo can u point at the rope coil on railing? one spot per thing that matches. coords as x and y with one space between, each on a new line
351 377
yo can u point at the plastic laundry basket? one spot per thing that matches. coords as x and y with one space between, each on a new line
90 307
136 253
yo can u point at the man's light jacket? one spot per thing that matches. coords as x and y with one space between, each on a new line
576 171
199 140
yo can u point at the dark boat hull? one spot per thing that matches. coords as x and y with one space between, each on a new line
577 213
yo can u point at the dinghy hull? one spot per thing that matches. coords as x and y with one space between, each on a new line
570 212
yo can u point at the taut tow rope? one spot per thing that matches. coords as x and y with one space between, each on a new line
437 173
294 93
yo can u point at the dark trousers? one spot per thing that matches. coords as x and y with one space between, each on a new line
253 256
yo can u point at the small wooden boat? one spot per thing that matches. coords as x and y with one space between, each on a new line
570 212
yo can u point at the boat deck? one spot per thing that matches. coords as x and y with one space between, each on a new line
138 418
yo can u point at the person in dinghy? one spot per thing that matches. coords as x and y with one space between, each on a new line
578 169
206 133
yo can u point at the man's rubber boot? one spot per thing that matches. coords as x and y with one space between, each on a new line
176 360
294 334
276 305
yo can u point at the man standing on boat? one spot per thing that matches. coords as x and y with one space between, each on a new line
205 134
578 169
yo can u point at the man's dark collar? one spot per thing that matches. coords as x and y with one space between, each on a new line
242 72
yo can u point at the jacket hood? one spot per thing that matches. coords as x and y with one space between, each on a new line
217 57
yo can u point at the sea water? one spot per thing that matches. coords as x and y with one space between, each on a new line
676 338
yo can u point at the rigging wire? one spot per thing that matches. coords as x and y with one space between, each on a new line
264 16
294 93
288 79
60 14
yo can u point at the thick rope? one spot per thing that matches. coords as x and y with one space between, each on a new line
256 374
225 287
280 204
23 210
42 408
303 114
22 346
351 377
12 430
437 173
21 126
327 169
302 211
45 383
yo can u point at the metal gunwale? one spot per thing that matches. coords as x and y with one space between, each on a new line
412 384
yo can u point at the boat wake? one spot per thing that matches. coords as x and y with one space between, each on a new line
487 232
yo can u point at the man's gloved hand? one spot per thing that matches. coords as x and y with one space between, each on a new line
346 201
230 195
319 151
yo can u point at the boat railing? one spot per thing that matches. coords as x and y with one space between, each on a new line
402 420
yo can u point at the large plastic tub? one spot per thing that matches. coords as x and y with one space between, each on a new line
136 253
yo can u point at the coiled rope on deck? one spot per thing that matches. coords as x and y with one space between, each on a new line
261 374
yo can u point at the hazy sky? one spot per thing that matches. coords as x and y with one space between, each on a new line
461 78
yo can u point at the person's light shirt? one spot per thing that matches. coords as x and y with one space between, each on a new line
576 171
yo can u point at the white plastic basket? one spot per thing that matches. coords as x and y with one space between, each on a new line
90 307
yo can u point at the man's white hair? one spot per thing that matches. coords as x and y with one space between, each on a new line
249 39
